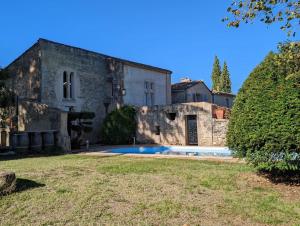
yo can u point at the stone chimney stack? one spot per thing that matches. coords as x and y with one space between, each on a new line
185 79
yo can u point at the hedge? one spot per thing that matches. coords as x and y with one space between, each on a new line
265 120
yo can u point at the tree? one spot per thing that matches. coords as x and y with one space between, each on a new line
286 12
225 83
264 124
216 75
119 126
6 98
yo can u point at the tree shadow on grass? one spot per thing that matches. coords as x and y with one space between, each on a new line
25 184
288 178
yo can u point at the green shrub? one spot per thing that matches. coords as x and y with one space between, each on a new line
119 126
265 119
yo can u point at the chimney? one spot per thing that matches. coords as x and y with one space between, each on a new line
185 79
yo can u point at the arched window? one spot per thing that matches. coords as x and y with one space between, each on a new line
65 84
71 83
68 85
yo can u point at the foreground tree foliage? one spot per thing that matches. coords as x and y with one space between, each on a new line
265 119
119 126
286 12
7 98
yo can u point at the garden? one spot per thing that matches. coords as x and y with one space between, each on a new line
116 190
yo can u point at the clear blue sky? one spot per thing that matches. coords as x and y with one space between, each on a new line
183 36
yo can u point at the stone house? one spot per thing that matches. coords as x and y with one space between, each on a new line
188 91
51 80
63 78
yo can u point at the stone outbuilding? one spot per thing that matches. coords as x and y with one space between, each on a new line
197 123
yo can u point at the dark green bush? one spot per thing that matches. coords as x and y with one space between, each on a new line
119 126
265 119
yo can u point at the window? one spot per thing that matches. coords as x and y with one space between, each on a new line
146 99
157 130
171 116
227 102
68 85
65 84
198 97
149 93
194 97
151 85
151 99
71 84
146 85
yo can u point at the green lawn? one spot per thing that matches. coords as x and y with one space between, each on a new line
118 190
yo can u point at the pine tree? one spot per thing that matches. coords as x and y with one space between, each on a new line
216 75
225 83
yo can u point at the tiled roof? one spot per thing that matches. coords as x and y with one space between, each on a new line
185 85
222 93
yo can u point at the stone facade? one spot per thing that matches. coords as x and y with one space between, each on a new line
68 78
158 125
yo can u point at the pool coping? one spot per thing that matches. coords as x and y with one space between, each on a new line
103 151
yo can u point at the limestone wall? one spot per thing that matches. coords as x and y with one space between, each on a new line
173 131
25 74
134 79
219 131
89 84
35 117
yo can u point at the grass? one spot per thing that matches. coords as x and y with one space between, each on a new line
87 190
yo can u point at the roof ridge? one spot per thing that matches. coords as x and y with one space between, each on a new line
108 56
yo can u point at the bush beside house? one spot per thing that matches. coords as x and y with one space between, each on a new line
119 126
265 119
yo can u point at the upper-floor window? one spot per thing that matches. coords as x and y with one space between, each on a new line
146 84
227 102
197 97
68 85
149 93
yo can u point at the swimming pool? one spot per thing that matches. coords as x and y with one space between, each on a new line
175 150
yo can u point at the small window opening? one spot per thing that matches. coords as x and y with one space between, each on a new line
157 130
171 116
227 102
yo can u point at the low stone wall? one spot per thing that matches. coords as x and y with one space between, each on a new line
219 131
36 121
167 124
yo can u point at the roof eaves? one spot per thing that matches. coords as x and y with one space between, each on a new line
128 62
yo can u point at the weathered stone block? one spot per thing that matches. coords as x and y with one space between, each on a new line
7 182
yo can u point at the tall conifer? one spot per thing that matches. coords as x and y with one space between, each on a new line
216 75
225 82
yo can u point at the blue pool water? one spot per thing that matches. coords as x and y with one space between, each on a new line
176 150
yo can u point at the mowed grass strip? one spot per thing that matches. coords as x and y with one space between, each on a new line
119 190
